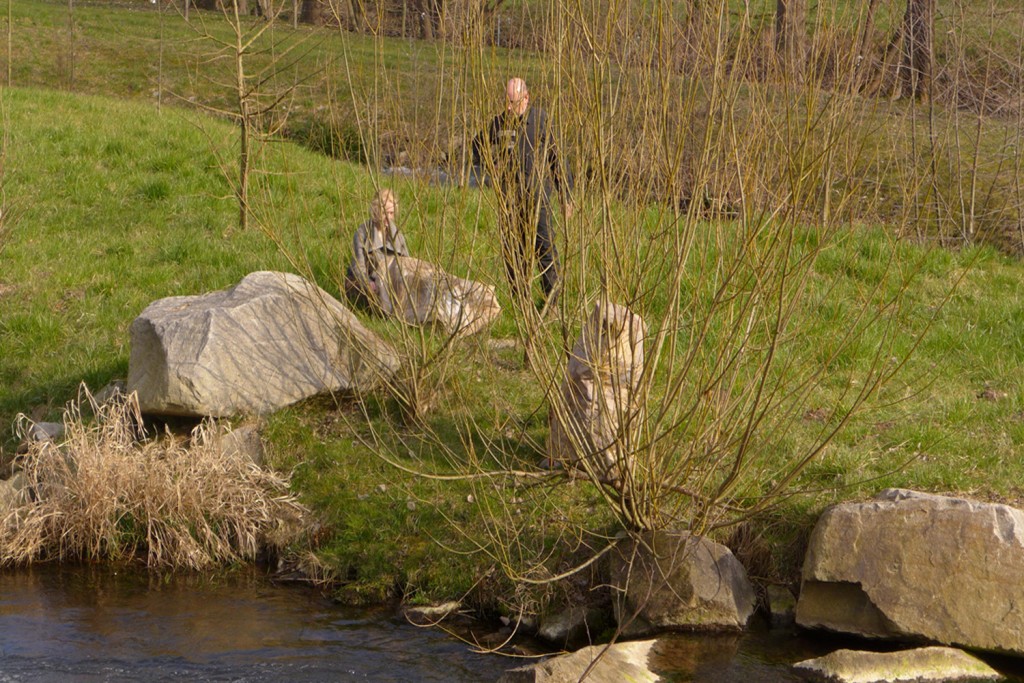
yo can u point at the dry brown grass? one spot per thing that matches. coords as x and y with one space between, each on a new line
104 493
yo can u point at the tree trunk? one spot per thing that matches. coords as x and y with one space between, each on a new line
349 14
312 12
695 33
425 18
221 5
439 9
915 70
790 36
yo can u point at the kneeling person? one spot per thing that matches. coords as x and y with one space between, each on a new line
374 242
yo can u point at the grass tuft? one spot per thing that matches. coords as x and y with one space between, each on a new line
102 494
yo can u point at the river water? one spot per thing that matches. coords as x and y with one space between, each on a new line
92 624
101 624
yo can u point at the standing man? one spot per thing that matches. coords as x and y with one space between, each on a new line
518 152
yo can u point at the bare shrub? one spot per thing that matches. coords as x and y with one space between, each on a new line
105 494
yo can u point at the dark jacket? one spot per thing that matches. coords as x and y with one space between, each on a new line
522 155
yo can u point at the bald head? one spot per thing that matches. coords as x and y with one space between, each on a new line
517 97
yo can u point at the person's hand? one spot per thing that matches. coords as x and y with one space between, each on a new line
568 210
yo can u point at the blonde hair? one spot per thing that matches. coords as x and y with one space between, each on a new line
377 205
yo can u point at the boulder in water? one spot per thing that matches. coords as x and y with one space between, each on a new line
916 565
665 580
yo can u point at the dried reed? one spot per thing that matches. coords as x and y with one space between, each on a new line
107 492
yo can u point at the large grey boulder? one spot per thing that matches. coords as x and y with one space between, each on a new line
910 564
920 665
269 341
597 403
423 294
614 664
665 580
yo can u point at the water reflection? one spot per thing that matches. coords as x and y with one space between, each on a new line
90 624
766 656
732 658
97 624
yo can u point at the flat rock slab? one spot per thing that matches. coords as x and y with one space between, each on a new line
614 664
916 565
270 341
920 664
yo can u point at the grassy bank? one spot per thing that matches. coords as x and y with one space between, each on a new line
947 170
115 204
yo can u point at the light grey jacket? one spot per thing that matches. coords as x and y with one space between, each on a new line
370 247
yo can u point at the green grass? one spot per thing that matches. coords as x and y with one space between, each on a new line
116 203
142 54
102 231
375 98
94 243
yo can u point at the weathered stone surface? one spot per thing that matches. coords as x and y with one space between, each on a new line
13 493
781 606
45 431
422 293
918 565
666 580
428 615
920 664
37 433
269 341
621 662
576 624
597 401
245 441
116 390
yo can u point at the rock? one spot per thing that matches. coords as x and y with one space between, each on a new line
586 421
269 341
39 432
14 493
422 293
36 433
618 662
498 345
115 390
429 615
575 624
781 606
920 664
674 580
244 440
910 564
